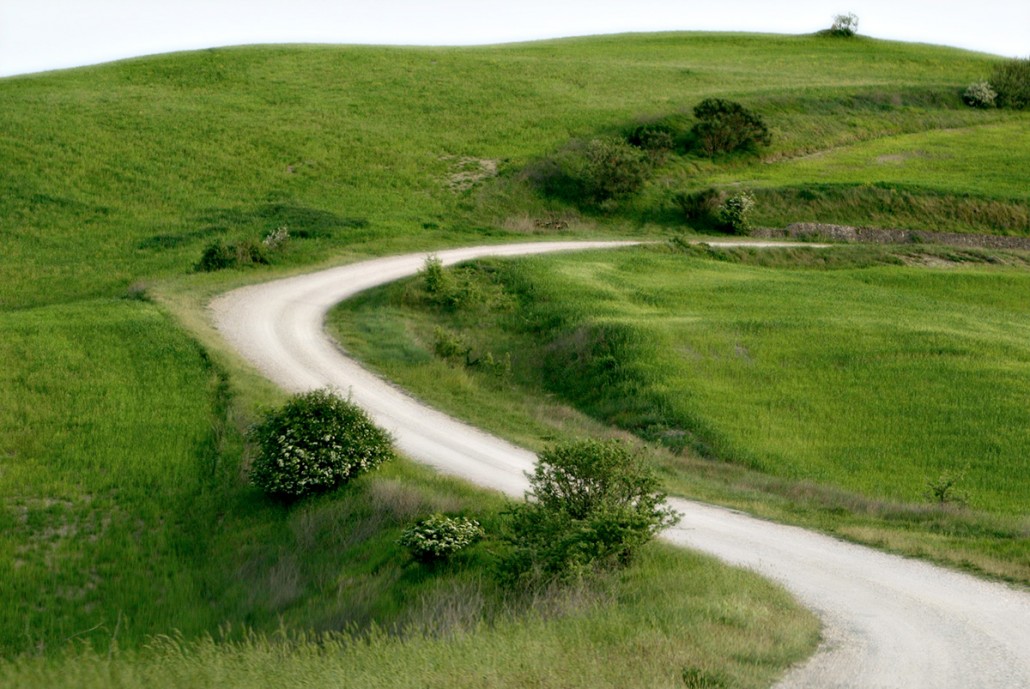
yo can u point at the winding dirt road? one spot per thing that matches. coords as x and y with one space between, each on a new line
888 621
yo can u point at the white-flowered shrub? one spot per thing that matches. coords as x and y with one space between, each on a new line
735 212
438 537
844 25
979 94
277 237
314 443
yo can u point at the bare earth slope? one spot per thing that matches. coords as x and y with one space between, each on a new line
888 621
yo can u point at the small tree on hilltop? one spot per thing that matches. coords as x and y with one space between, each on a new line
844 25
314 443
725 126
591 503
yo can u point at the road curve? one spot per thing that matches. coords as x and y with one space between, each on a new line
889 622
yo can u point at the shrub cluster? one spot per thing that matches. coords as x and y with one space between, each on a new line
715 209
1011 81
438 537
701 208
220 255
598 172
314 443
591 504
725 126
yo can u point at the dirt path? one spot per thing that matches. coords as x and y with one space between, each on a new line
888 621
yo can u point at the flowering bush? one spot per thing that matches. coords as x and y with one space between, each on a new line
844 25
735 212
979 94
277 237
313 443
438 537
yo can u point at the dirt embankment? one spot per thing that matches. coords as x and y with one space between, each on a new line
844 233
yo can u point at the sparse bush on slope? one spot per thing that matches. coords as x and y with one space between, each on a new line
726 126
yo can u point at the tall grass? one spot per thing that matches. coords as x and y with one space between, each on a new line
726 625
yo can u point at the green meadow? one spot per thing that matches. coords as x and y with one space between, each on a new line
134 551
852 390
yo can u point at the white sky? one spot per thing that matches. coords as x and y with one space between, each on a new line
37 35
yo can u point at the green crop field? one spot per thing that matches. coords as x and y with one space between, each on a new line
123 492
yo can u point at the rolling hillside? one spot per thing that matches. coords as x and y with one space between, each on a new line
122 493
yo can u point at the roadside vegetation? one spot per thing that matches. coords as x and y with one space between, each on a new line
132 192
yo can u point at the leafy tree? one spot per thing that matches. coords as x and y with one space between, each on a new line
314 443
725 126
591 503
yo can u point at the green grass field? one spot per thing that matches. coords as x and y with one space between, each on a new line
868 383
122 493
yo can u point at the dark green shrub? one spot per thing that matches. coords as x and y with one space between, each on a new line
314 443
1011 81
592 173
697 678
450 345
653 136
659 138
220 255
438 538
701 208
590 504
449 289
726 126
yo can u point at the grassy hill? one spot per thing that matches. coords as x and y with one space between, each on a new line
122 495
841 389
